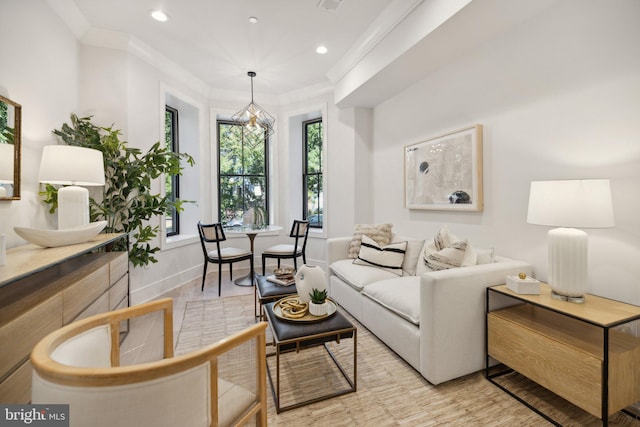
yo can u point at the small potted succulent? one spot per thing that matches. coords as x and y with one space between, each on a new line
318 305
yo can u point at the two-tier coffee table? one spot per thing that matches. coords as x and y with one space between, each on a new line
291 336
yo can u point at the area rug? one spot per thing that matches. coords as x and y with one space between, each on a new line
390 392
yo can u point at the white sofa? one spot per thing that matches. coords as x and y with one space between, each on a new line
434 320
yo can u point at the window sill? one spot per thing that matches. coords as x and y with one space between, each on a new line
180 240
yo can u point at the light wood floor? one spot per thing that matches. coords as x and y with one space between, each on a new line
144 340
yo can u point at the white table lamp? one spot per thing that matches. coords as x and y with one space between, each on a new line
570 203
72 166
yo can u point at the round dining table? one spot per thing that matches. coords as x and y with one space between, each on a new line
251 232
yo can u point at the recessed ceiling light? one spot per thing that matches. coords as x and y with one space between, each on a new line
159 15
253 19
322 50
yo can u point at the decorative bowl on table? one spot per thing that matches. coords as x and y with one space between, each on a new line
64 237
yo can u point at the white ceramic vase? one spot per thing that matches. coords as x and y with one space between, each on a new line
309 277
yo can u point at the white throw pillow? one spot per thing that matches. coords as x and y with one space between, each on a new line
412 257
389 257
486 256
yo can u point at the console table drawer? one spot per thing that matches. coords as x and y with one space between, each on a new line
565 355
118 292
16 388
550 362
82 293
20 335
118 267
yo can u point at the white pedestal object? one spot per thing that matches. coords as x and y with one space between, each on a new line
73 207
568 263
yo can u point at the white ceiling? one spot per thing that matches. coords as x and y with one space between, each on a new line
215 42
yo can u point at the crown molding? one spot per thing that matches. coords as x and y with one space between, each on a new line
386 22
97 37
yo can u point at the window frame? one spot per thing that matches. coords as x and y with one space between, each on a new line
264 177
305 170
175 179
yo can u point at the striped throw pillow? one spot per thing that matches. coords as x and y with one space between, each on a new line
389 257
381 233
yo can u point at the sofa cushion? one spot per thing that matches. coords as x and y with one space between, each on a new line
389 257
359 276
400 295
380 233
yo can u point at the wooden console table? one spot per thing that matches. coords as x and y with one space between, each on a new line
571 349
42 289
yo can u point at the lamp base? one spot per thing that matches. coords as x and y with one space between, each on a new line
578 300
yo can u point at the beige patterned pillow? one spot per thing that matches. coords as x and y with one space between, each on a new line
459 254
380 233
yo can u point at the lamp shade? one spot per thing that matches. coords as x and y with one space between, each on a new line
584 203
6 163
69 165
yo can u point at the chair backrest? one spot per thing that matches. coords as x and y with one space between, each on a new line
211 233
79 365
300 231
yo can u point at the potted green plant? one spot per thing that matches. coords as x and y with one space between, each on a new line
127 202
318 304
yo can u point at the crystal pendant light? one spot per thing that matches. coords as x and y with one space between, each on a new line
253 116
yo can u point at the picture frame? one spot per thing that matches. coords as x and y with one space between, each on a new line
445 172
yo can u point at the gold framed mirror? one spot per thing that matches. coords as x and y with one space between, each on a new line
10 137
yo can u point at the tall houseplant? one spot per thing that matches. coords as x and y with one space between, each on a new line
127 203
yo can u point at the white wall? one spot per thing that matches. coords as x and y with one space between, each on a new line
39 71
559 98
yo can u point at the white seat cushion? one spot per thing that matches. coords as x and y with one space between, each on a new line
281 249
400 295
359 276
229 253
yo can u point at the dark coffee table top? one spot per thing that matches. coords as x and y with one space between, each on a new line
306 334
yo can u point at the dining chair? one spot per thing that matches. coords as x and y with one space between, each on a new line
299 232
214 233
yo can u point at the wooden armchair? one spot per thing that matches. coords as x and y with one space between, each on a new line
79 365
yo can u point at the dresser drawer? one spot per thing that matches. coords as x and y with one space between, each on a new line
101 305
118 292
22 333
16 388
118 267
82 293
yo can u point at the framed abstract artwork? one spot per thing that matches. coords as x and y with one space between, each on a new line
445 172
